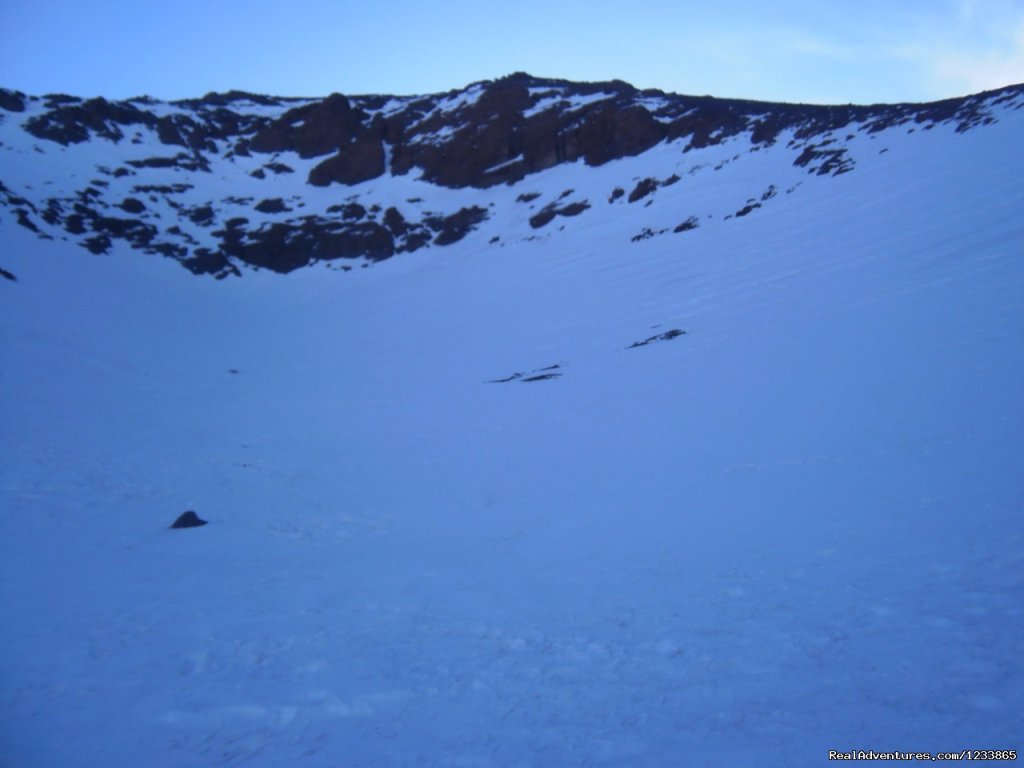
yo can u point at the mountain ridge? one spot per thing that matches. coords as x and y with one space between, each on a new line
490 134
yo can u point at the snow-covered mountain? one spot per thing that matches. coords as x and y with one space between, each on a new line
536 423
237 179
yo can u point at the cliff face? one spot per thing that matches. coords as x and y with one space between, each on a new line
204 181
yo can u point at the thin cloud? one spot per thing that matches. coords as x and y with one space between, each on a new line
981 49
950 49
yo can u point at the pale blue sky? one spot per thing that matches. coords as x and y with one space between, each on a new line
831 51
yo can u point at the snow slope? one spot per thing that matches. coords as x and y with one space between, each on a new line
795 528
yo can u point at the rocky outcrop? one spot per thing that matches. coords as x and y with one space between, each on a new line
283 246
451 229
485 135
490 133
360 161
271 205
78 121
12 101
549 212
313 129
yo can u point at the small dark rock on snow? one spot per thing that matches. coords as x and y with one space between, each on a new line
538 374
188 520
667 336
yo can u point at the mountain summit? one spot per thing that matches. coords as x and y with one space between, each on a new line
238 179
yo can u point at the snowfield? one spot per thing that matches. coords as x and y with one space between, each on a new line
795 528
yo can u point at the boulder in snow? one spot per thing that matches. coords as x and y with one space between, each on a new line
188 520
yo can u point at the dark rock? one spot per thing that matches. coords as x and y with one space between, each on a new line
361 161
201 215
132 205
538 374
169 133
53 212
451 229
188 520
350 211
646 234
618 132
97 244
133 230
25 220
182 160
74 123
12 101
690 223
54 100
271 205
171 250
488 133
285 246
711 121
545 215
642 189
74 224
313 129
667 336
166 189
543 218
206 262
506 379
415 239
395 222
824 161
495 143
573 209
